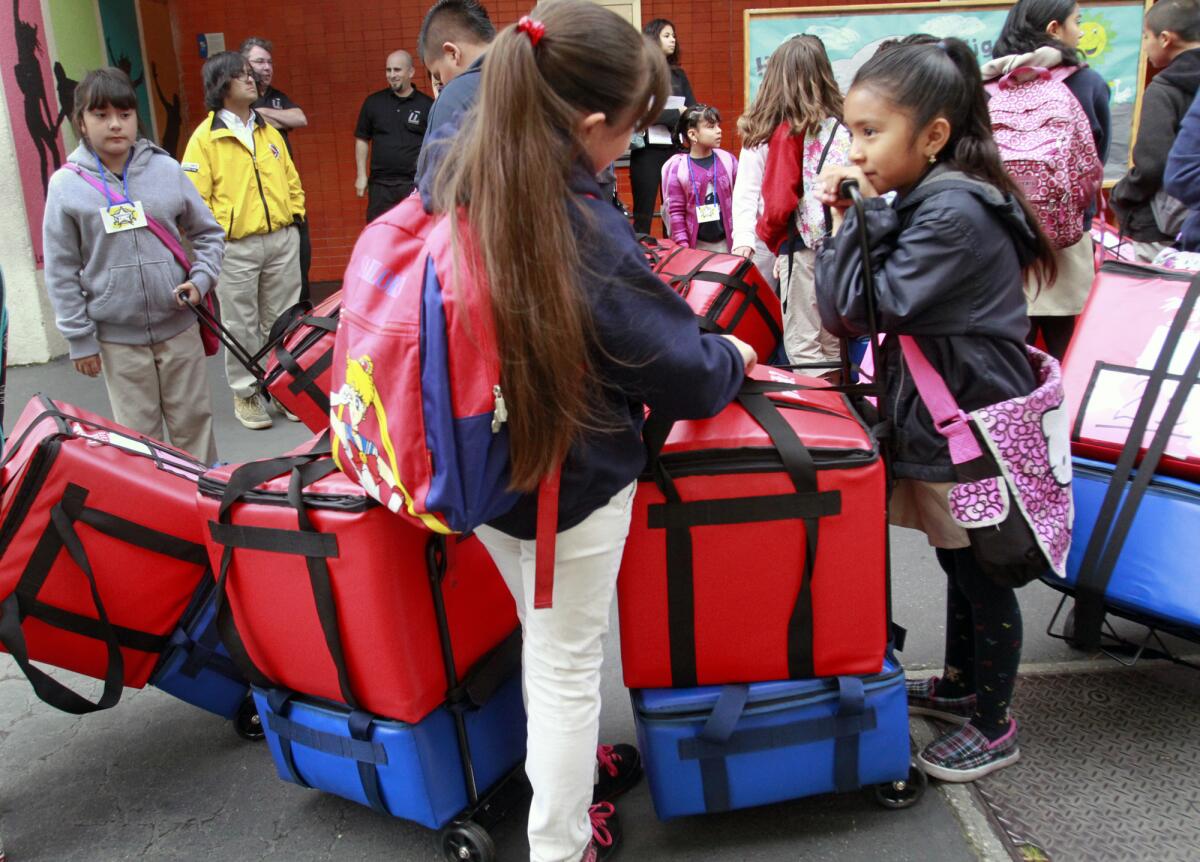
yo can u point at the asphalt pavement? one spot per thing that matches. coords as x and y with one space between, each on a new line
155 778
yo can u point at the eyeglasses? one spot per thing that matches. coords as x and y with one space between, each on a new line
245 76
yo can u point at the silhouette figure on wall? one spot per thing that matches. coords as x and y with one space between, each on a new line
39 116
174 112
124 64
66 95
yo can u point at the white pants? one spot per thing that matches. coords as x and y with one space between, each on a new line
561 665
804 339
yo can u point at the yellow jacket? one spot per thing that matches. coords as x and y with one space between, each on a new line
248 192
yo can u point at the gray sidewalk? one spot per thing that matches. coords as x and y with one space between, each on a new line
155 778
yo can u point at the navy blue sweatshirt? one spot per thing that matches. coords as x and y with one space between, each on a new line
1182 176
649 351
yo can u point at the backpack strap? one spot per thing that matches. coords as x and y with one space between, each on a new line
173 245
546 540
949 420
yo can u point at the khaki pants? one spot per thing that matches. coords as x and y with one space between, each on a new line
164 382
803 338
260 279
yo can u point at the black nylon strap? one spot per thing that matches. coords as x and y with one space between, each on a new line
274 539
306 380
1098 560
798 462
319 580
48 689
141 536
744 510
90 627
241 482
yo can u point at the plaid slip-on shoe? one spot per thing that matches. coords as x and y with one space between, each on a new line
922 701
965 754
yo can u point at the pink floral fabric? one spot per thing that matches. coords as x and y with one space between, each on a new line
810 220
1029 437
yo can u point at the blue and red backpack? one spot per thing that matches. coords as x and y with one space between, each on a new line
416 405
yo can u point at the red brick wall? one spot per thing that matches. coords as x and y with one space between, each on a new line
330 55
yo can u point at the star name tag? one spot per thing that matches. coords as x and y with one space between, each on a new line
123 217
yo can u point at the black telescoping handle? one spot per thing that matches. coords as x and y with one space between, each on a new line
849 189
251 362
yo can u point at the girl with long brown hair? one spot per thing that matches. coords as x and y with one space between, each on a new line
797 115
588 338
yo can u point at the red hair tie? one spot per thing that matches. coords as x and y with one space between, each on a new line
535 30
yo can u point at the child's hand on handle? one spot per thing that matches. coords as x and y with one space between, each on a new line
187 294
89 365
749 357
743 251
830 183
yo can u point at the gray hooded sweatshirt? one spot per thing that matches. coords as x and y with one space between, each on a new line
121 287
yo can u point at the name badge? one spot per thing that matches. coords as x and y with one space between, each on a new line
123 217
707 213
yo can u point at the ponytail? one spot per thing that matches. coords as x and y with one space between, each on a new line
510 169
928 78
1024 29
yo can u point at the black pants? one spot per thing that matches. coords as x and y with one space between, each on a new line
305 261
1055 331
983 640
381 197
645 175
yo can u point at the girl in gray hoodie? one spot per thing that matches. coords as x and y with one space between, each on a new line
119 295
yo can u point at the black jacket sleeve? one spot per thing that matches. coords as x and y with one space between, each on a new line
916 273
1158 127
656 352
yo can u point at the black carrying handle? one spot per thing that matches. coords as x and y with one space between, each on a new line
1123 497
48 689
250 361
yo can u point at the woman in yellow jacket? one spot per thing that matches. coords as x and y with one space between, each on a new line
242 169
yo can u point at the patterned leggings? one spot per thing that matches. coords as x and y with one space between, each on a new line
983 641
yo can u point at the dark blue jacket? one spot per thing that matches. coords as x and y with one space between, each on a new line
947 261
1090 88
455 99
1182 176
648 350
1164 103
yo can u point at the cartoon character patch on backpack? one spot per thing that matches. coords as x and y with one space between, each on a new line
1047 147
358 395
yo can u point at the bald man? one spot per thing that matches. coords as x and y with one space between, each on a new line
391 126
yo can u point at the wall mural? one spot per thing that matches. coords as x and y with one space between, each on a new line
29 88
47 46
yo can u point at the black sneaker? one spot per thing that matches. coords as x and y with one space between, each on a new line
606 833
620 768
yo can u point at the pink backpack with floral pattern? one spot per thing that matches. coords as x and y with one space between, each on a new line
1047 147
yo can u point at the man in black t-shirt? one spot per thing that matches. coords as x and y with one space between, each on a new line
391 125
276 108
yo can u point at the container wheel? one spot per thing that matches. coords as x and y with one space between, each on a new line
466 842
247 723
903 793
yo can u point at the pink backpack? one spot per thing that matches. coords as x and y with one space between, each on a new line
1047 147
